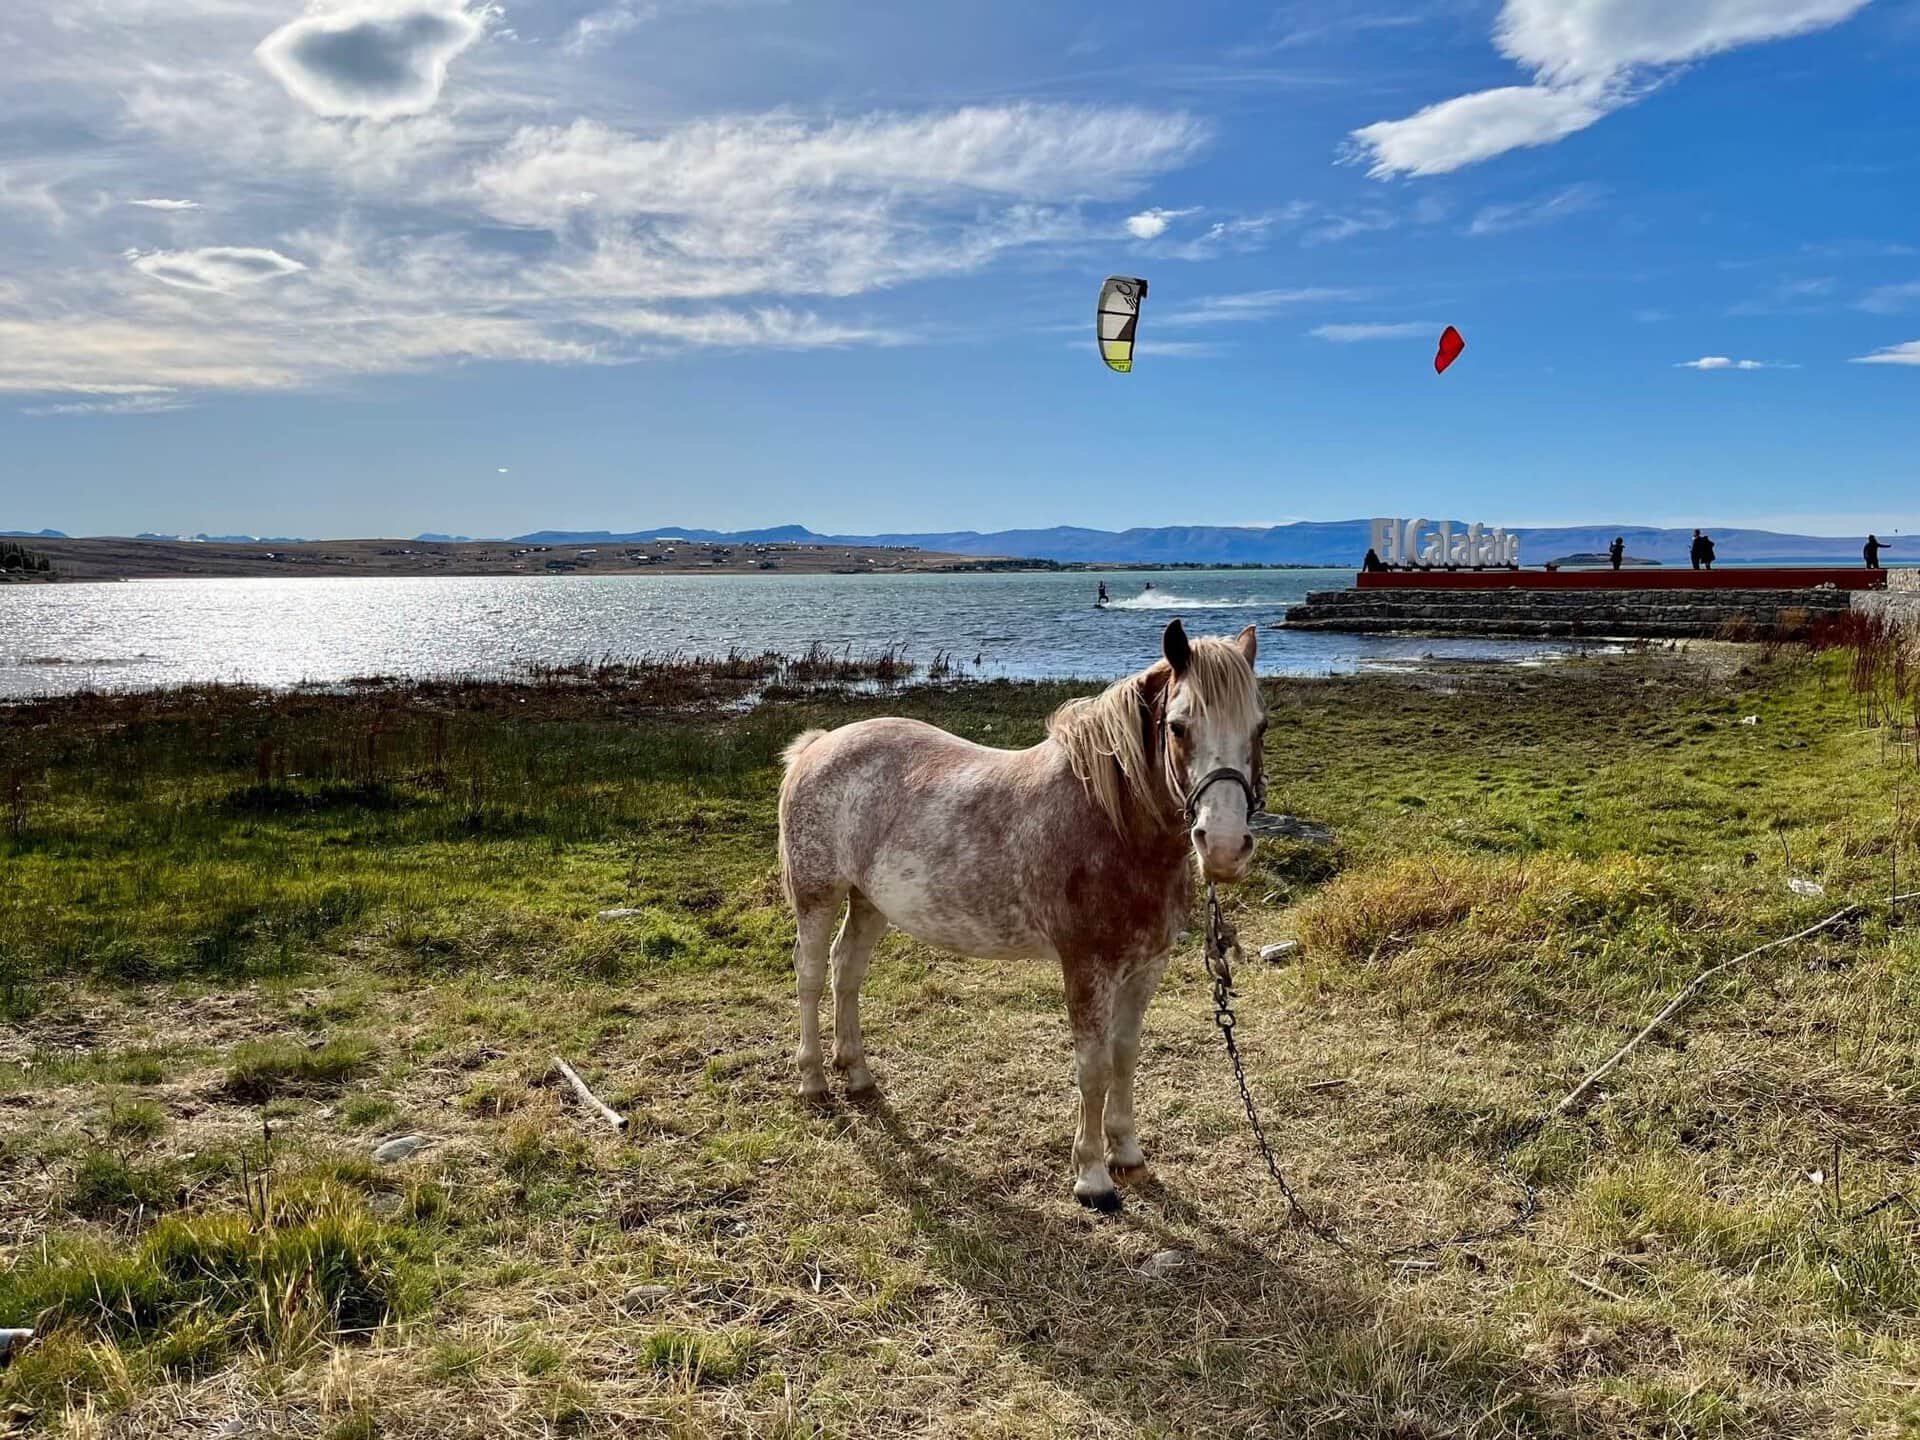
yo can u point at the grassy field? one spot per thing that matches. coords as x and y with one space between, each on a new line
246 939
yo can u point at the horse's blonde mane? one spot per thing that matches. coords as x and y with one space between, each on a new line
1106 737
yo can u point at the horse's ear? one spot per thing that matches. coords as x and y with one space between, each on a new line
1249 644
1173 644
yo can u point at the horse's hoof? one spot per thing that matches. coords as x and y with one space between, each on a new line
1107 1202
1126 1173
867 1094
814 1092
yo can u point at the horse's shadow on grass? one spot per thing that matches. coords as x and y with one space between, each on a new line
1239 1340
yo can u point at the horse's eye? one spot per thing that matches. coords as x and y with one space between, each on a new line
1179 729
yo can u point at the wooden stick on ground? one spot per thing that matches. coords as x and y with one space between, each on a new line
588 1098
1686 995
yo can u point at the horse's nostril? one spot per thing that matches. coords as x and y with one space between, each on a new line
1200 838
1246 844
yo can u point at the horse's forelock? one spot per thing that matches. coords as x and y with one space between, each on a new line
1218 679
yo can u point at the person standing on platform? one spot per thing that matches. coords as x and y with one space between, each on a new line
1697 549
1617 551
1871 550
1706 552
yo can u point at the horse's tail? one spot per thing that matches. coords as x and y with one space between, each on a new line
798 746
790 757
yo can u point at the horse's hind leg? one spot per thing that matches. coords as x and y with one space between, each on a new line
852 952
815 922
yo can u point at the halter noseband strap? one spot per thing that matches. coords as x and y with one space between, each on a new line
1255 798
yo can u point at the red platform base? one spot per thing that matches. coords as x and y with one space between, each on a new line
1736 577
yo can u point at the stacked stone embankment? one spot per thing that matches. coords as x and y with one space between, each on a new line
1600 614
1899 602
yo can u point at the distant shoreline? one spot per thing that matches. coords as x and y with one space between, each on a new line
107 560
110 560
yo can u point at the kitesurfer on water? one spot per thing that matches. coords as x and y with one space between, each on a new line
1103 592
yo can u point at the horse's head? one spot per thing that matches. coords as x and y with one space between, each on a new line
1214 725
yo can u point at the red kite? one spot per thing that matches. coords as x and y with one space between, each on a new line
1450 347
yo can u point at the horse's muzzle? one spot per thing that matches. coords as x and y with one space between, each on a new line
1224 857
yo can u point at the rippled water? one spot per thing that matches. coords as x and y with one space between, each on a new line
283 632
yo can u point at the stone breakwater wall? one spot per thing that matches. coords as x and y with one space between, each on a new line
1664 614
1899 602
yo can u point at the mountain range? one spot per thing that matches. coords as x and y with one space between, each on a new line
1334 542
1331 542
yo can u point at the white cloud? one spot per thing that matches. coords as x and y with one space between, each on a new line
1790 297
1723 362
1470 128
547 176
1891 299
1251 305
1152 224
481 230
1344 227
131 405
1395 330
774 328
223 268
1529 214
603 27
1588 58
1907 354
375 60
1239 236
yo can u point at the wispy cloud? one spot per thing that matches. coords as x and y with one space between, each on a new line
129 405
1587 59
1890 299
164 204
1251 305
1335 228
1542 210
1905 354
1393 330
771 328
1724 362
466 234
1790 297
222 268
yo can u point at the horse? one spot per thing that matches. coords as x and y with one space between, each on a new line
1079 850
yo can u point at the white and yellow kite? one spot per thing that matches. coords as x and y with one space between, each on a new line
1118 318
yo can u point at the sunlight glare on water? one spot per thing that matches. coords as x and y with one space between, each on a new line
283 632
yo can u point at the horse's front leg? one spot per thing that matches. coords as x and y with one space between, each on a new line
1129 1009
1090 1005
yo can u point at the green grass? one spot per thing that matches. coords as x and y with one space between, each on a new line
264 1069
349 916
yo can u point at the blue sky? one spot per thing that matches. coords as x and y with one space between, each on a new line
383 266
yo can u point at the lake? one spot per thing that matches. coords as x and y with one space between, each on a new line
56 638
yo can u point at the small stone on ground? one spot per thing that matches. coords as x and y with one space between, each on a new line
398 1149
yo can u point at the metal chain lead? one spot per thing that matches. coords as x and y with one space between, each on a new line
1222 947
